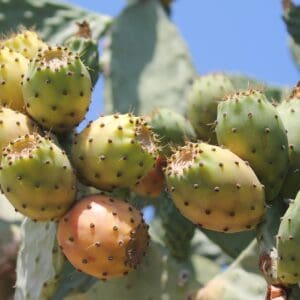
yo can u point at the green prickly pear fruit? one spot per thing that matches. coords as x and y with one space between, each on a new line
152 184
288 243
288 111
205 94
172 129
13 67
87 48
104 237
57 89
250 126
14 124
114 151
27 43
37 178
214 188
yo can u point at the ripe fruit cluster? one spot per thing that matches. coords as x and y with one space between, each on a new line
220 169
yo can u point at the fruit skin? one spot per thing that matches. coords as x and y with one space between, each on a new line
214 188
288 111
171 127
288 243
13 67
87 48
152 184
57 89
114 151
27 43
250 126
204 96
14 124
104 237
37 178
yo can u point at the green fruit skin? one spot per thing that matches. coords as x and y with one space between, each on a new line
288 111
172 128
37 178
109 152
249 126
288 244
88 51
214 188
205 94
57 97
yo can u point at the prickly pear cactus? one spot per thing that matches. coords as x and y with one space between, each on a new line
204 96
288 112
260 141
214 188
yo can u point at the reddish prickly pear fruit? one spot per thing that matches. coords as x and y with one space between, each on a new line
14 124
214 188
57 89
288 243
27 43
13 67
37 178
104 237
114 151
152 184
250 126
289 113
205 94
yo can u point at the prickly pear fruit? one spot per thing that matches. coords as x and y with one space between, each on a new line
172 129
57 89
87 48
104 237
250 126
214 188
14 124
13 67
205 94
27 43
151 185
114 151
288 243
37 178
288 111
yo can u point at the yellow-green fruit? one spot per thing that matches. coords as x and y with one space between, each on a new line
104 237
205 94
57 89
14 124
114 151
27 42
13 67
214 188
37 178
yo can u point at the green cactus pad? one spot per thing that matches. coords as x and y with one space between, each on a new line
289 114
204 96
57 89
114 151
249 126
171 127
37 178
13 67
214 188
288 243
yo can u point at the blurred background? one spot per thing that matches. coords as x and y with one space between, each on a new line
247 37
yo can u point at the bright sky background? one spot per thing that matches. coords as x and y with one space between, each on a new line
246 36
